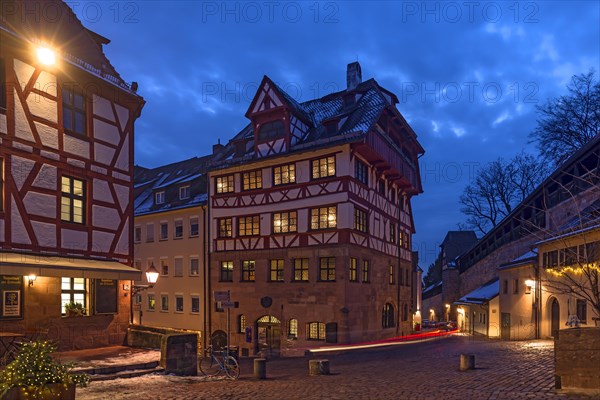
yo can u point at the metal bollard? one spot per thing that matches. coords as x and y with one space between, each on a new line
467 362
260 368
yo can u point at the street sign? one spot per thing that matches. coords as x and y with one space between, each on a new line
228 304
221 296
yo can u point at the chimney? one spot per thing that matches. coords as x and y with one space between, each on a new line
217 148
353 75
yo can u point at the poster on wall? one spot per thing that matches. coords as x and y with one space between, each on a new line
11 302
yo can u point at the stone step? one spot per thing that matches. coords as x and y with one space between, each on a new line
125 374
113 369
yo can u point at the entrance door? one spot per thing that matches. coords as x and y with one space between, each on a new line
555 311
268 330
505 326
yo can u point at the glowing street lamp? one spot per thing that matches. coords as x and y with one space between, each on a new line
46 56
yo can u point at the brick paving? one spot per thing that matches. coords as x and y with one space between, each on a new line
426 370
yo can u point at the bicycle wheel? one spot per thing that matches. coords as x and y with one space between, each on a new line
232 368
209 366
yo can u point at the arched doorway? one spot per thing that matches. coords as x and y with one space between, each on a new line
268 336
554 316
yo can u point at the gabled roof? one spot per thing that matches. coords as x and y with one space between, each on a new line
167 177
371 101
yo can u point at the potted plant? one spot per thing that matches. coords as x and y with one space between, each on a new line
34 374
74 309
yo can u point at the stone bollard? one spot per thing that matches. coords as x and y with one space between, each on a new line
260 368
318 367
467 362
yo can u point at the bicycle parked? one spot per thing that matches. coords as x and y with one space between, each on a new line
216 361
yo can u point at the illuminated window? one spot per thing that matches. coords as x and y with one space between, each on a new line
323 217
241 323
327 269
225 184
226 271
365 271
74 110
249 226
195 304
361 172
391 275
315 331
73 290
323 167
151 302
159 197
360 220
301 270
284 174
392 232
293 328
178 229
248 270
184 192
284 222
178 303
72 200
276 271
225 227
387 317
252 180
353 270
194 266
164 302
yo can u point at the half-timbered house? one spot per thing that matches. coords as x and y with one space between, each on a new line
66 175
311 222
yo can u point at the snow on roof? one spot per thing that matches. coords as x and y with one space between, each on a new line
482 294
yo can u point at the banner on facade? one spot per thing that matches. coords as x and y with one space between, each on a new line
11 302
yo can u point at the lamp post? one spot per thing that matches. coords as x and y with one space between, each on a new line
151 277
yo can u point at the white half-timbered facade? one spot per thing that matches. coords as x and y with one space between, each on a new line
66 174
311 222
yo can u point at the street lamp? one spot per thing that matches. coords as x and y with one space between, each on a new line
151 277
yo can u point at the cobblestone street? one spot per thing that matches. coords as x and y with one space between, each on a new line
427 370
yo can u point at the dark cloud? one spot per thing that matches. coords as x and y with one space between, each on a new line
468 74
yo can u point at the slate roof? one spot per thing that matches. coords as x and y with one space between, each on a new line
169 178
361 117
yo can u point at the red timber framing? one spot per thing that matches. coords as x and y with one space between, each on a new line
37 152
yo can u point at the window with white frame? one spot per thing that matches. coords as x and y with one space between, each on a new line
178 266
164 231
159 197
178 231
194 266
164 302
151 302
73 290
72 203
195 301
164 267
184 192
178 303
194 227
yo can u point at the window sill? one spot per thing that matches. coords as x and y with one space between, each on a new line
82 136
178 238
163 239
194 236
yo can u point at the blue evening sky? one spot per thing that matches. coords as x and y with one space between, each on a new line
468 74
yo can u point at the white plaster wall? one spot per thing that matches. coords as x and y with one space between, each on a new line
106 132
102 191
47 134
23 71
104 217
103 154
21 167
122 195
42 107
76 146
45 233
46 83
101 241
40 204
18 231
46 178
123 114
122 162
76 240
3 128
123 243
22 129
103 108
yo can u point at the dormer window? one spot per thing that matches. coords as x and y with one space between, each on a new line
184 192
159 197
271 131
